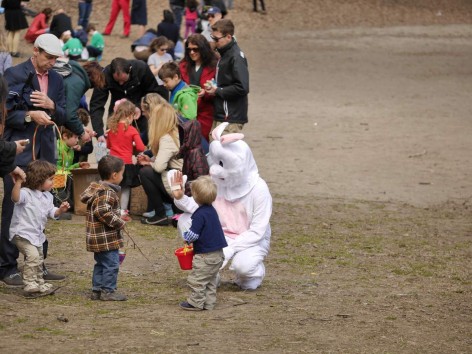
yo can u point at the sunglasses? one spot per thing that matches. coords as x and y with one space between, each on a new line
195 50
216 39
211 16
164 49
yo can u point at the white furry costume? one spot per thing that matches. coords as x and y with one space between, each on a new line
244 206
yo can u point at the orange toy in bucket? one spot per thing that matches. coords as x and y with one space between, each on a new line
185 257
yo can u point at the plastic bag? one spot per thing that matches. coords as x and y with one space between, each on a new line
100 150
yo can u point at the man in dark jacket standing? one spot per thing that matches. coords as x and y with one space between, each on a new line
130 79
35 102
232 80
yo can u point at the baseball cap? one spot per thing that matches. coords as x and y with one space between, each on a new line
213 10
49 43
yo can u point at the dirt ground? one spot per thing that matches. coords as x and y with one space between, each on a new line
360 124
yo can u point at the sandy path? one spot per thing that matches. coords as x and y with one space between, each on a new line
375 114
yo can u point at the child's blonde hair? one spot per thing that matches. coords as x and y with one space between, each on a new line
151 101
123 109
163 120
203 190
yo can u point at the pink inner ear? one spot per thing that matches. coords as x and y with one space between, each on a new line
231 138
216 133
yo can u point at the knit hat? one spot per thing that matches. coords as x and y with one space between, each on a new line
49 43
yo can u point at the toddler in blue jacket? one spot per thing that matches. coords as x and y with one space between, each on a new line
208 240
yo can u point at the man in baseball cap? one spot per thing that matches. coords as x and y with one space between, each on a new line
36 99
213 14
213 10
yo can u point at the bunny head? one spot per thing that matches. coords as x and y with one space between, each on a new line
232 165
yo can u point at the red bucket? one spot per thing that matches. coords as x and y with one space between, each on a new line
185 257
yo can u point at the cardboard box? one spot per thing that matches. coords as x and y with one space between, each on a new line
81 180
138 201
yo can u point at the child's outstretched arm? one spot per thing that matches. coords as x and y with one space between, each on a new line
62 209
176 185
15 193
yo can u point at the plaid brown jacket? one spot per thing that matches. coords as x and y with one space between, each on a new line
103 223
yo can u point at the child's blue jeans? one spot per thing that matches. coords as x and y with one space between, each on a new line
105 271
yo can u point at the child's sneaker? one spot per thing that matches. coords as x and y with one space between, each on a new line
186 306
43 288
112 296
32 288
96 294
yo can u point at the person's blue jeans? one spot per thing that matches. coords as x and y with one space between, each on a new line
105 271
85 9
178 12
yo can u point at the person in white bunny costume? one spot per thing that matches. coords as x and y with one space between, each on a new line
244 207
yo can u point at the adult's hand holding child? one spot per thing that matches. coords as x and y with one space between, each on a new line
18 174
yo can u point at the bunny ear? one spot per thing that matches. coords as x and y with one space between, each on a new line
216 133
231 138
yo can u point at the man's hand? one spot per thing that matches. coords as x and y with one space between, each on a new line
20 145
102 139
137 113
84 164
42 100
210 88
18 175
90 133
41 118
85 137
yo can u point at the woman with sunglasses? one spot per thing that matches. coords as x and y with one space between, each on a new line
159 48
197 67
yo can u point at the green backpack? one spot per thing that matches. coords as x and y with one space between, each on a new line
185 101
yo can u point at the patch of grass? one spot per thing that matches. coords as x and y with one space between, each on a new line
423 269
102 312
49 330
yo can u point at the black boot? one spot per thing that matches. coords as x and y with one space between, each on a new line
48 276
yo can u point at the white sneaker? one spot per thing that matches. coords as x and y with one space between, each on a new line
32 288
149 214
45 287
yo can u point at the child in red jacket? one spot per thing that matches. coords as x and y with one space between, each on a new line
123 140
